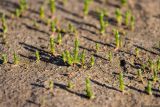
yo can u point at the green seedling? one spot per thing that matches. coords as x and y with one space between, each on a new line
15 59
103 24
110 56
86 6
127 17
121 82
51 85
69 58
70 85
149 88
158 64
4 25
155 75
71 28
137 52
59 39
117 40
64 57
23 5
132 23
37 56
118 16
52 5
83 58
92 61
151 64
41 12
18 12
123 2
89 91
139 75
4 58
53 25
76 50
52 45
97 47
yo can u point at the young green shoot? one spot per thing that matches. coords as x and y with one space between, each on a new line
89 91
139 75
37 56
158 64
103 24
83 58
86 7
41 12
70 85
92 61
15 59
4 58
151 64
123 2
53 25
51 85
132 23
118 16
52 6
59 39
76 50
71 28
69 58
155 75
4 25
97 47
121 82
117 40
127 17
137 52
52 45
18 12
149 88
110 56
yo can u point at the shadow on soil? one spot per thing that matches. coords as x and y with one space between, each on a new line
44 55
64 87
104 85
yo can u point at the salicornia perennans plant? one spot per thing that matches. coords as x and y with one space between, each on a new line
86 6
103 24
121 82
132 23
53 25
37 56
118 16
110 56
92 61
70 85
76 50
15 59
52 45
52 5
123 2
59 39
97 47
149 88
139 75
41 12
4 25
137 52
127 17
117 39
4 58
155 75
89 91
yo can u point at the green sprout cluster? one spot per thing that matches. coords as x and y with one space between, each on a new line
52 45
97 47
4 24
41 12
89 91
137 52
4 58
59 39
110 56
149 88
132 23
121 82
92 61
117 39
86 6
15 59
52 6
70 85
127 17
118 16
123 2
23 6
103 24
53 25
139 74
37 56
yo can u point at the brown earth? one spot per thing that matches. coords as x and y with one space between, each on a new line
23 85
